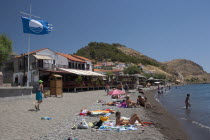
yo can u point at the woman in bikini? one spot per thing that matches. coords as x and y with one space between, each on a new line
131 121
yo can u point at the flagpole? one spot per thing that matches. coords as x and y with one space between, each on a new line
29 43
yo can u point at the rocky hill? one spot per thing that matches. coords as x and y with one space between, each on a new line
181 69
186 70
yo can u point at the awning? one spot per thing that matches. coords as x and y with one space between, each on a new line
56 75
82 72
43 57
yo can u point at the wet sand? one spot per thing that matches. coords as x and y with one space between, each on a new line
167 123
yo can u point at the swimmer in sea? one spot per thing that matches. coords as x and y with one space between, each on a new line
187 101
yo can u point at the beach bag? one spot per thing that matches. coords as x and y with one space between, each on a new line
98 124
82 125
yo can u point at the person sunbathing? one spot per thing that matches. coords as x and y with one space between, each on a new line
111 104
131 121
84 112
130 103
140 101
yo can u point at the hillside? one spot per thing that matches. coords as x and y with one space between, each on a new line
181 69
185 69
116 53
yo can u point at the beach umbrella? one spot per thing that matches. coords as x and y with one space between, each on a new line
116 92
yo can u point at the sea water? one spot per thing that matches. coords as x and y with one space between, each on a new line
196 119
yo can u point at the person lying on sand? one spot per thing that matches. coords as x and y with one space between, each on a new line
130 103
84 112
111 104
131 121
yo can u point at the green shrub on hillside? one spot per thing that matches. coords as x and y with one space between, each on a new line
104 52
154 75
132 70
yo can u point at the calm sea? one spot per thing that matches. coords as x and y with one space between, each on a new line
196 120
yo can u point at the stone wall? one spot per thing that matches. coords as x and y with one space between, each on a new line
15 91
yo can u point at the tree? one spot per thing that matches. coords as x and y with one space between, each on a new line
155 76
109 75
5 48
132 70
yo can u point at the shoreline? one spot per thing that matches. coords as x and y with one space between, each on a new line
167 123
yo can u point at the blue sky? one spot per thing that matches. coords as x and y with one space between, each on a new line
161 29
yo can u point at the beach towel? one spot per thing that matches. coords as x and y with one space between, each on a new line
110 126
101 112
123 105
117 128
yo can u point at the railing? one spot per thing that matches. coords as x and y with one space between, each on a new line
62 66
36 65
42 66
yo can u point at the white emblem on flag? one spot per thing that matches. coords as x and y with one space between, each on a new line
35 26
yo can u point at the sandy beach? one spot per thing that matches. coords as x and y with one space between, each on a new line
18 123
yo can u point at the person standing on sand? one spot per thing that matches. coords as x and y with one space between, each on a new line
39 92
126 87
187 101
107 87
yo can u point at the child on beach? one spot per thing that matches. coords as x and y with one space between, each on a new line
131 121
187 101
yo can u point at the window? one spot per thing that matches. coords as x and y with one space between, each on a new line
70 65
88 67
40 63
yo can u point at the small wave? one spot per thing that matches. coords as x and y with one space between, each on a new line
183 119
197 123
201 125
156 98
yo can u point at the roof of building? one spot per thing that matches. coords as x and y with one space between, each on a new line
31 52
70 57
83 58
102 70
99 64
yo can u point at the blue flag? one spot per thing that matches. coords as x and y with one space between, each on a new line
38 27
